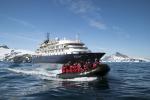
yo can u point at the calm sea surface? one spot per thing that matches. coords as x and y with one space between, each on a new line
125 81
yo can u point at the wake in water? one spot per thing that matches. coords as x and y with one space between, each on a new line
46 72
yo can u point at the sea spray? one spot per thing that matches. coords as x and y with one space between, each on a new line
47 73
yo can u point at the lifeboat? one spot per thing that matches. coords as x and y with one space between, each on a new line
75 71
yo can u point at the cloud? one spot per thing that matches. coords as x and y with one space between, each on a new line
82 6
87 10
22 22
97 24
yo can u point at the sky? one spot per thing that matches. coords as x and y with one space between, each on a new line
103 25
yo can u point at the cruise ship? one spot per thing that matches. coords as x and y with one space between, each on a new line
64 50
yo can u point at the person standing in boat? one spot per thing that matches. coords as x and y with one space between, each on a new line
66 67
78 66
82 64
90 63
87 65
96 63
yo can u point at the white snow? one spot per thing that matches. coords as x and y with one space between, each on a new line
123 58
4 52
12 53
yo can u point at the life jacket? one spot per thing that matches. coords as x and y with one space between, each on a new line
71 69
94 65
75 68
82 70
63 69
67 69
78 68
85 67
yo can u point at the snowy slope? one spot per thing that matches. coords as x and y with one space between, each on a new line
118 57
7 54
4 52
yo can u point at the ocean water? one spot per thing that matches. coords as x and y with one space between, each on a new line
125 81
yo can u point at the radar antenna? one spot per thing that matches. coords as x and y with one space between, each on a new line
47 40
47 35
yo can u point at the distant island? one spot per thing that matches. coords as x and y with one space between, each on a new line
119 57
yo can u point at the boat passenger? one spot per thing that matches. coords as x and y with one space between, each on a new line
95 63
86 66
69 63
75 67
89 64
64 69
72 69
68 67
82 63
78 67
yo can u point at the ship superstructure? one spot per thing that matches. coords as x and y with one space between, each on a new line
63 50
62 47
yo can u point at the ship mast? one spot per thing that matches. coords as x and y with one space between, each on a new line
77 37
47 35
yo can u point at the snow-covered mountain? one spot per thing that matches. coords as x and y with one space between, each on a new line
14 55
118 57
